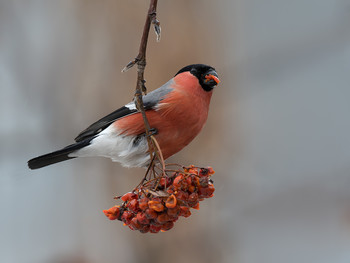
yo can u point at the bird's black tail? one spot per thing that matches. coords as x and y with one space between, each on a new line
57 156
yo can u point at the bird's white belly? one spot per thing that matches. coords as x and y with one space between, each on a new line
120 148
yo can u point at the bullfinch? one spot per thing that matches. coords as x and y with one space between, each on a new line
176 113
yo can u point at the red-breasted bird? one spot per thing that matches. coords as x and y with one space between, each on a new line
176 113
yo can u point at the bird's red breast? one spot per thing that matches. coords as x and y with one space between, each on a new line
178 118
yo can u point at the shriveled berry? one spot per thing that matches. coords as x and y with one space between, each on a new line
191 188
156 205
142 218
170 189
193 197
126 217
196 206
171 201
181 195
154 229
150 213
205 192
162 218
173 212
112 213
143 203
185 211
128 196
133 205
134 224
177 181
165 182
204 181
167 226
145 229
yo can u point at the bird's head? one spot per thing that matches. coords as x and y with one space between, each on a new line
206 75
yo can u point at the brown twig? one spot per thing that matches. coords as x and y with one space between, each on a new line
141 64
140 60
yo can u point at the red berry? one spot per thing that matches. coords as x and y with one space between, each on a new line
142 218
205 192
133 205
173 212
154 229
170 189
203 181
145 229
162 218
165 182
126 217
181 195
134 224
193 199
143 203
150 213
128 196
185 211
167 226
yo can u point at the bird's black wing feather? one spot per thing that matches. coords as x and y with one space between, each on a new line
150 100
103 123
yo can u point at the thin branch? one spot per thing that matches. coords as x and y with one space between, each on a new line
141 64
140 60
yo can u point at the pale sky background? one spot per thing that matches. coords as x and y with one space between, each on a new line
277 133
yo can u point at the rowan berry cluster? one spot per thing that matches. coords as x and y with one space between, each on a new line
158 203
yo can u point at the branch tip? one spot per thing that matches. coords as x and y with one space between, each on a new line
129 65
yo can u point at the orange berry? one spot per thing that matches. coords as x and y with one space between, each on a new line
156 205
171 201
177 181
195 181
112 213
196 206
191 188
143 203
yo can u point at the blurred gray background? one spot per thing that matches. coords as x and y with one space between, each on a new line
277 133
